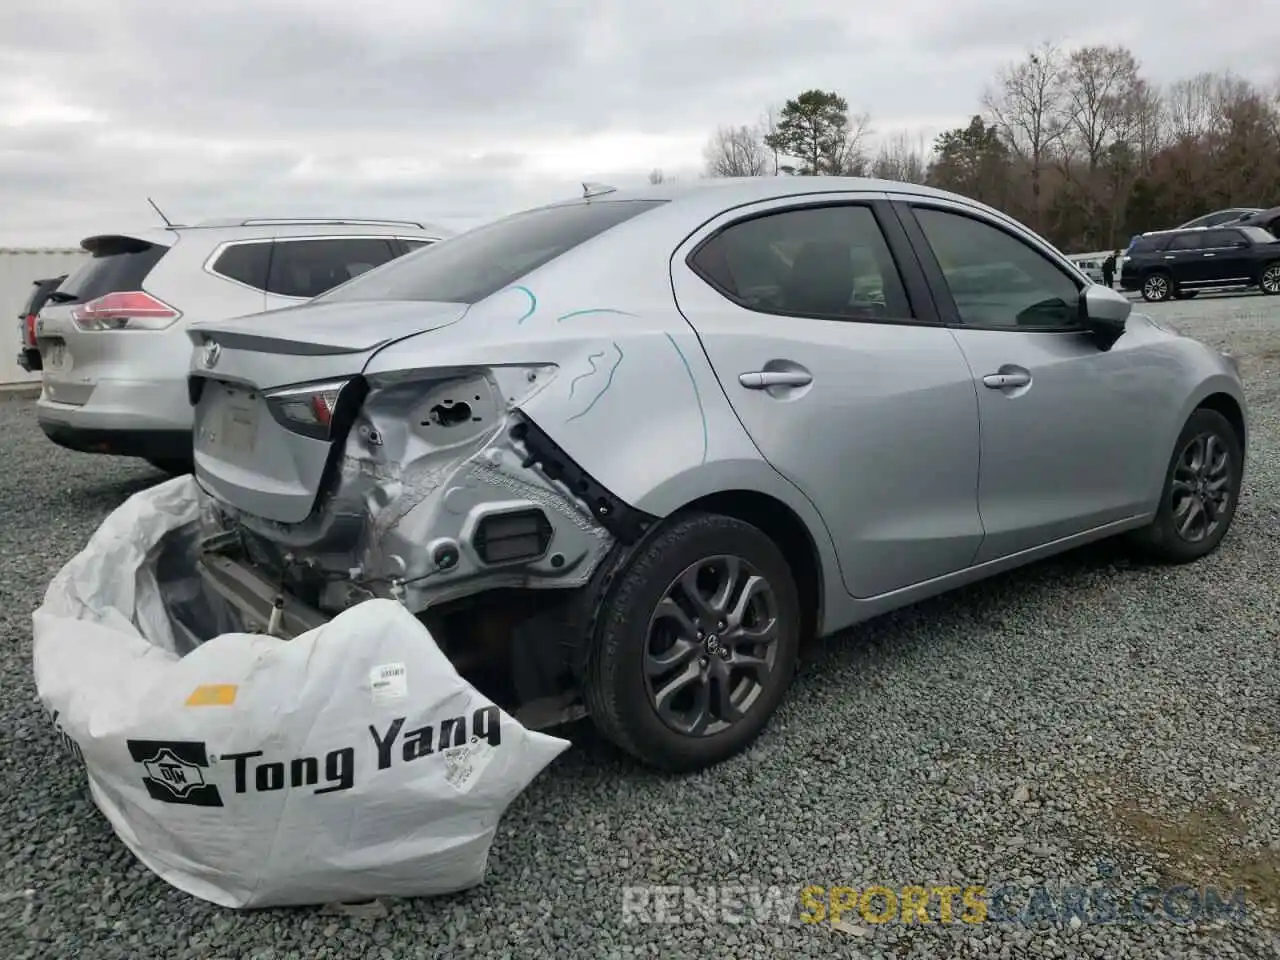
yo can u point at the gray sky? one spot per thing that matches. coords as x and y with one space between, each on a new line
459 111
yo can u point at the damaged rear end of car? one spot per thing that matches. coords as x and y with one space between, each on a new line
331 480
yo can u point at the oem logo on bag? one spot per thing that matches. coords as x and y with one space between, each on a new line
173 771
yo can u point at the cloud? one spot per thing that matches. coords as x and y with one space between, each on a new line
466 110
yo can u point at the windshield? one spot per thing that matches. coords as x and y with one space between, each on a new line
470 267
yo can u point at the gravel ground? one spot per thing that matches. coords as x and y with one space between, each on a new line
1085 721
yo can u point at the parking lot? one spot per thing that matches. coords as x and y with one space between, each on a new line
1087 721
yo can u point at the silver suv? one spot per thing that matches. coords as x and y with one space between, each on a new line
113 336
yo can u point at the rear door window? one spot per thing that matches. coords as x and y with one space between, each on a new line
482 261
1187 241
1217 239
308 268
117 264
1150 244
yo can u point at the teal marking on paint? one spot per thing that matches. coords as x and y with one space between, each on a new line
583 313
697 395
533 304
608 383
573 384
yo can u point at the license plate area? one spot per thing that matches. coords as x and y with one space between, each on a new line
234 422
55 356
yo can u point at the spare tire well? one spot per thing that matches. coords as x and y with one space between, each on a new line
781 525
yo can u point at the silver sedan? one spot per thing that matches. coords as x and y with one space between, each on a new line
630 448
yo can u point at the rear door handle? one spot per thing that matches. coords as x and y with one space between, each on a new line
763 379
1170 256
999 381
1210 254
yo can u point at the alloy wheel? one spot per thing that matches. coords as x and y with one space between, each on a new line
1271 279
1156 288
712 646
1201 487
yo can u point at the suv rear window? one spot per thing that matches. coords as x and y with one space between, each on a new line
118 263
480 262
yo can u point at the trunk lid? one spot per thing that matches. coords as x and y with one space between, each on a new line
249 453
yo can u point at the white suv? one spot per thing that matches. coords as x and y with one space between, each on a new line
113 336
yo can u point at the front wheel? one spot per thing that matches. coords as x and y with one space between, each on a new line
1157 288
1269 282
696 645
1201 489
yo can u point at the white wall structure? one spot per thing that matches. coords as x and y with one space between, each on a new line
18 270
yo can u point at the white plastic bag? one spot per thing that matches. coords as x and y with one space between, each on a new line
348 763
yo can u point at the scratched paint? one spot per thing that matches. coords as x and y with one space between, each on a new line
583 313
603 390
573 384
533 304
697 394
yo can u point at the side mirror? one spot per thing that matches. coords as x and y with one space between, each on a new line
1104 312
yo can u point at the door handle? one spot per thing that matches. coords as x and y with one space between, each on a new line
1210 254
999 381
1170 256
764 379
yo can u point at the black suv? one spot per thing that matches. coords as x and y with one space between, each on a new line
29 356
1181 263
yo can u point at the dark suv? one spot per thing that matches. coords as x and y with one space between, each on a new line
29 355
1181 263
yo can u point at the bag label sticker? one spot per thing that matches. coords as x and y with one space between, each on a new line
389 682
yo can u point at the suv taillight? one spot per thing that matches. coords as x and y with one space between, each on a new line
29 330
133 310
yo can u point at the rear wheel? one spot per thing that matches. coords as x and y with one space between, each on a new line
1201 489
1157 287
697 644
1270 279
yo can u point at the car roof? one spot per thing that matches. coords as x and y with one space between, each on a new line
730 191
251 228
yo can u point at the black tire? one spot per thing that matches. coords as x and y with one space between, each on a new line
1161 540
617 688
1157 287
1269 279
173 467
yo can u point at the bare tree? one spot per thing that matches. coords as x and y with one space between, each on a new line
1099 85
848 156
1027 107
769 134
1189 107
900 159
736 152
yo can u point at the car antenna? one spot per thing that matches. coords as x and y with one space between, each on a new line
166 220
590 190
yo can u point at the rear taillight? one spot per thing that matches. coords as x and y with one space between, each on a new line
311 410
29 330
133 310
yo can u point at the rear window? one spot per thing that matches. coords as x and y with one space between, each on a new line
480 262
118 263
1257 234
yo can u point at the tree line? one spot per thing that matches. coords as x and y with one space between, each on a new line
1074 142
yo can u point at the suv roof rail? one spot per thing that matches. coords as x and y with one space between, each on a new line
292 221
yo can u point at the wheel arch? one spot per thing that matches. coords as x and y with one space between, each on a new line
752 491
1231 409
781 525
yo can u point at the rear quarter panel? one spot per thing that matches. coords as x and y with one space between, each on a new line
634 400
